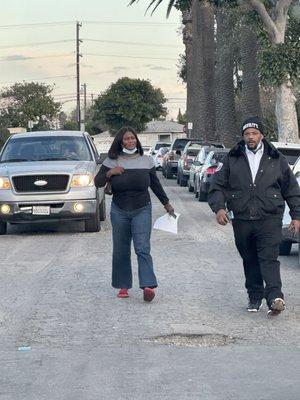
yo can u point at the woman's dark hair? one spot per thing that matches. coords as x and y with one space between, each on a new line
116 147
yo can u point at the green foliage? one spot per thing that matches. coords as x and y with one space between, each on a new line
70 125
131 102
181 118
277 63
4 135
182 70
28 101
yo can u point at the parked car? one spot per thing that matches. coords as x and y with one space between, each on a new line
197 165
49 176
185 161
159 156
296 168
204 177
170 162
288 238
147 150
290 150
156 147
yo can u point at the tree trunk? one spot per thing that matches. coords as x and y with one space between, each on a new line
203 71
226 127
188 43
250 84
285 109
286 114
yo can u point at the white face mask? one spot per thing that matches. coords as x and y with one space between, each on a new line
126 151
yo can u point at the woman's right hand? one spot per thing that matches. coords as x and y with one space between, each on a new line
115 171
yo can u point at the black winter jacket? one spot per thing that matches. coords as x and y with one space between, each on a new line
233 188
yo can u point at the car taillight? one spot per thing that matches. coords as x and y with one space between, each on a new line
211 170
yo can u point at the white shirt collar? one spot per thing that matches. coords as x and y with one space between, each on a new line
259 152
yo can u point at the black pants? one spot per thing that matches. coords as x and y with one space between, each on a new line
258 244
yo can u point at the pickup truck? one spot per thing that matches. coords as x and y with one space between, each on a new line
49 176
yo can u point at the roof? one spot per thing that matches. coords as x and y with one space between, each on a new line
46 133
163 127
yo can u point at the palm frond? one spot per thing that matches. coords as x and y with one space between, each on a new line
158 2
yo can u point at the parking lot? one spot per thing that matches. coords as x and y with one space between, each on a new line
65 335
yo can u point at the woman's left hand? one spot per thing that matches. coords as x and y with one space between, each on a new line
169 208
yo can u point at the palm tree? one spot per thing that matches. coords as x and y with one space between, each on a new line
250 83
226 124
198 36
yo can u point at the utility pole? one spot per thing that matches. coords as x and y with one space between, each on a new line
92 97
84 97
82 126
78 55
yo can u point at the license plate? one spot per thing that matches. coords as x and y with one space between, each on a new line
41 210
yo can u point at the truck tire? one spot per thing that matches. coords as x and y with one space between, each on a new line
202 195
285 248
190 187
182 181
93 223
169 174
102 210
3 228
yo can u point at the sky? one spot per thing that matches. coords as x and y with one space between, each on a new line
148 46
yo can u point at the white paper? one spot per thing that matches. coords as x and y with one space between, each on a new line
167 223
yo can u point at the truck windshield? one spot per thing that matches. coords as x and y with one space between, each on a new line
46 148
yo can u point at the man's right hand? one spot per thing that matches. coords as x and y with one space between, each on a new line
115 171
222 217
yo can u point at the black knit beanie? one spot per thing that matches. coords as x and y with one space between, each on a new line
253 122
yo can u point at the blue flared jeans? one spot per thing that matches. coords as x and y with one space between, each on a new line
128 226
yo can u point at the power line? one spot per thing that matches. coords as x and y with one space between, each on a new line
132 43
39 79
36 24
11 58
163 24
138 57
10 46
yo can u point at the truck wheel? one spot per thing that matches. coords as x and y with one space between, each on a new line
190 187
93 224
102 210
178 178
285 248
202 195
169 174
3 228
182 182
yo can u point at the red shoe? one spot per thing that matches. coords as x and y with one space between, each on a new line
149 294
123 293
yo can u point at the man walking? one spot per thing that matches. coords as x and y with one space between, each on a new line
254 182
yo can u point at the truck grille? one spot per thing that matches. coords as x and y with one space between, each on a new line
55 183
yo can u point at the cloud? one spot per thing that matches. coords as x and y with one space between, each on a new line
120 68
157 67
15 57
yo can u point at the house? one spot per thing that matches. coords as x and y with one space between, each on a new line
162 131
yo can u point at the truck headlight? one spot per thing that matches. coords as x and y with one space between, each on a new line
82 180
4 183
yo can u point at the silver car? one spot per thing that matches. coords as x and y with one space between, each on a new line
49 176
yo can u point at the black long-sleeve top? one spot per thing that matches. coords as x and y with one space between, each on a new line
130 190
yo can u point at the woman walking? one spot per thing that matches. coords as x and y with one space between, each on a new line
130 174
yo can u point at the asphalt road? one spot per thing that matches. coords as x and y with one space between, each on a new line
82 343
